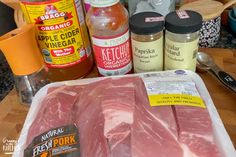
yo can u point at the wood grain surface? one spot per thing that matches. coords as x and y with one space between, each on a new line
223 98
209 9
12 114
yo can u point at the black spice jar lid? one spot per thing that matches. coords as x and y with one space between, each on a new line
146 23
183 21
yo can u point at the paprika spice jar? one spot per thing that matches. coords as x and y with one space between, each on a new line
181 39
147 41
108 25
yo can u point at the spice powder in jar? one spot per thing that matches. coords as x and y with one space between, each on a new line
181 39
147 41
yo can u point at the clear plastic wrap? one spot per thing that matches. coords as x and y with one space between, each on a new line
100 103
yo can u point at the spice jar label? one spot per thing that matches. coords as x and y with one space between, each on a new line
113 54
147 56
180 55
61 31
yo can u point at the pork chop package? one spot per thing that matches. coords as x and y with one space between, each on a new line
161 114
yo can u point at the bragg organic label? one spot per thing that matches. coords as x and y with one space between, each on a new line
61 141
113 55
60 31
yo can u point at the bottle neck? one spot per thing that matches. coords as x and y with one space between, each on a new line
103 3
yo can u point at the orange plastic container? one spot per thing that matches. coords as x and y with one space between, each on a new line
21 51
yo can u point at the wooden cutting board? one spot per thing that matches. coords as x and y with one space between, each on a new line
14 4
209 9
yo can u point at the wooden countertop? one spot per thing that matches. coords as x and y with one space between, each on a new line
12 114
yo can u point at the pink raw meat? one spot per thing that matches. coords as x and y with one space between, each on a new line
115 119
57 110
153 133
105 117
118 116
195 130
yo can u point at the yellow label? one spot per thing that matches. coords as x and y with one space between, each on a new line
147 56
60 32
176 99
180 55
166 93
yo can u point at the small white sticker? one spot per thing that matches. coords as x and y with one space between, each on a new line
154 19
182 14
171 87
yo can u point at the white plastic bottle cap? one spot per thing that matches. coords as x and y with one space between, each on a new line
103 3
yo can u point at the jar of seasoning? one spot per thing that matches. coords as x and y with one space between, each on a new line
25 61
181 39
147 41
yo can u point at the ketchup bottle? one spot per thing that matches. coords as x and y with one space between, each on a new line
108 25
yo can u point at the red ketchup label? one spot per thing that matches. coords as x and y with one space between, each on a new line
113 55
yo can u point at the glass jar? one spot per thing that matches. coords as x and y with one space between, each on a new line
162 7
28 85
25 61
181 39
147 41
109 31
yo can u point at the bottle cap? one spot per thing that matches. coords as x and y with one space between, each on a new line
183 21
21 51
103 3
146 23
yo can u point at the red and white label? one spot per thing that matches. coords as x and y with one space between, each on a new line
63 52
56 27
113 55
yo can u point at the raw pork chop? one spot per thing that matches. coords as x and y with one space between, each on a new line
195 131
104 118
124 124
57 110
154 129
115 119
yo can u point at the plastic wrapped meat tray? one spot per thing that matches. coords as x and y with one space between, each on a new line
142 115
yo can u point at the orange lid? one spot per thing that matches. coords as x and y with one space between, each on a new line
21 51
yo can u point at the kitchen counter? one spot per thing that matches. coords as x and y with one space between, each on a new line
12 114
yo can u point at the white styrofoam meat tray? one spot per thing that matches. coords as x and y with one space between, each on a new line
222 136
